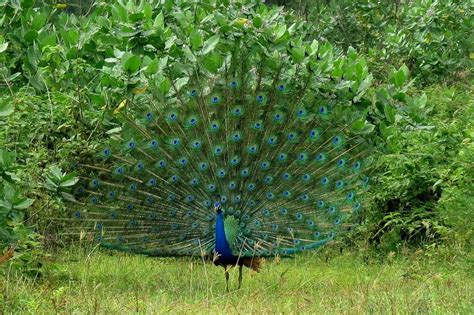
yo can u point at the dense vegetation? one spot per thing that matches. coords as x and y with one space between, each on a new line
64 68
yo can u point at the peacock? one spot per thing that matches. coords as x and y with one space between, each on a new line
247 148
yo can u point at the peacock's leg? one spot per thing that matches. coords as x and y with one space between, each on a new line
226 280
240 275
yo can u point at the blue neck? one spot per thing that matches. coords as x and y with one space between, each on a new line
222 246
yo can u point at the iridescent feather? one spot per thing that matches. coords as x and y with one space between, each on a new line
273 145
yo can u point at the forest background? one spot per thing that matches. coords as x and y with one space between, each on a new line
65 66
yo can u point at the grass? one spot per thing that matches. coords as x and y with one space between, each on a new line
116 283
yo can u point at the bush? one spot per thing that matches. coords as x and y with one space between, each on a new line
423 186
433 38
19 244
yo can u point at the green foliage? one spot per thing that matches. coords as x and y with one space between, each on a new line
14 233
423 185
7 160
42 131
12 214
433 38
59 183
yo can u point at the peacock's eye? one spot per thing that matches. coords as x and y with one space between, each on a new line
215 100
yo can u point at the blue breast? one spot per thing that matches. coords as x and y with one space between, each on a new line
222 246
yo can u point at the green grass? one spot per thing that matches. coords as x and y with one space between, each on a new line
107 282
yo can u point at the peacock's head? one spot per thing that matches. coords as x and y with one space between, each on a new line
217 207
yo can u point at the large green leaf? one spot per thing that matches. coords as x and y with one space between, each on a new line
48 40
298 54
30 36
23 203
4 204
152 67
210 44
69 180
39 19
400 76
3 47
131 63
6 159
389 113
212 62
6 107
159 20
9 192
196 40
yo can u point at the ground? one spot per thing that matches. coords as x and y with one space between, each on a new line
100 281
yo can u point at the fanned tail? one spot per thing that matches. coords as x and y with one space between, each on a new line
269 130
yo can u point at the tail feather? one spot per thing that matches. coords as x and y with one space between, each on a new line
274 138
254 263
